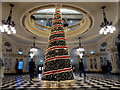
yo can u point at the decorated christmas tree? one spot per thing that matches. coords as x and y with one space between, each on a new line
57 65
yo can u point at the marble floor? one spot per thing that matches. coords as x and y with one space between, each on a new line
94 81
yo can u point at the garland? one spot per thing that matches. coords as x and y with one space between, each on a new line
57 39
57 32
57 12
58 47
57 71
56 52
56 64
58 57
57 43
57 20
57 16
57 26
60 35
57 29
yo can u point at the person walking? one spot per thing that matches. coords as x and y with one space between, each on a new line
82 69
32 68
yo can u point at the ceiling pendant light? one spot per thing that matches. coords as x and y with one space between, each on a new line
33 49
80 49
106 26
8 25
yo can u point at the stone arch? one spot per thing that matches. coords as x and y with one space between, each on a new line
38 58
105 57
74 55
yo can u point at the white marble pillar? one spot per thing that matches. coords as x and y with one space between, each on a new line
115 69
88 64
1 67
0 25
98 64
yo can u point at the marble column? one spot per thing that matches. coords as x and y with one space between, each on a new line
0 32
98 64
115 65
1 67
0 25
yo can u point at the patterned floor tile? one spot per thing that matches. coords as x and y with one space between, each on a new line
92 82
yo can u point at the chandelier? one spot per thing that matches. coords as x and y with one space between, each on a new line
8 25
33 49
80 49
106 26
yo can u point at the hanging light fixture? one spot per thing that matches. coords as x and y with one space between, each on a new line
106 26
81 54
80 49
33 49
8 25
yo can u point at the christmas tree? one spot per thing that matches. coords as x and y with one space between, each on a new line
57 65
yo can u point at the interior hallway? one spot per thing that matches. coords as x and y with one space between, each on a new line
81 23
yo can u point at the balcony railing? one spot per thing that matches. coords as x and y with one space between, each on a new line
42 27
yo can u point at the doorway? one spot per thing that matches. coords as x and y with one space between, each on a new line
106 62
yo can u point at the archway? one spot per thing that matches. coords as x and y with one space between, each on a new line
74 55
106 62
117 54
38 58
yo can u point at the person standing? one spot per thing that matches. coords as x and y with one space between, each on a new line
32 68
109 67
16 66
82 69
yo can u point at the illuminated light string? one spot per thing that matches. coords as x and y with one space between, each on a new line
57 12
59 20
57 26
57 32
55 49
58 47
57 71
58 57
57 39
57 16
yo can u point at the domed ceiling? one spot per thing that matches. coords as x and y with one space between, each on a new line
38 20
85 16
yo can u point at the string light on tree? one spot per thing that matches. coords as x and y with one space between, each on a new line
57 66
